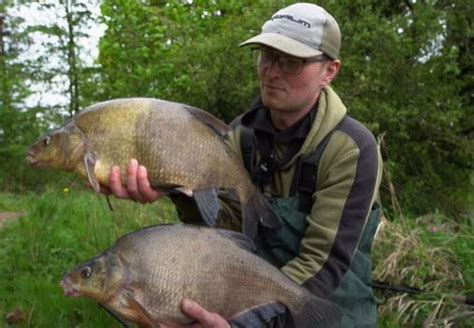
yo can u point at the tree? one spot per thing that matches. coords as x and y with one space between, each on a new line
62 65
37 58
15 122
184 51
401 77
134 55
404 74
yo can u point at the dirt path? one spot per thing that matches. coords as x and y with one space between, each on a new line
9 216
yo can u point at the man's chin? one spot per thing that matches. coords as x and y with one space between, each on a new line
272 101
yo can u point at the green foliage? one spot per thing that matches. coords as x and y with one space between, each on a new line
210 71
21 122
61 65
13 89
186 52
406 73
400 76
134 55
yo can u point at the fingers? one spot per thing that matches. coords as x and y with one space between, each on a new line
115 184
132 181
147 193
205 318
138 186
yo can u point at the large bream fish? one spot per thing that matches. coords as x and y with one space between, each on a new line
144 276
182 147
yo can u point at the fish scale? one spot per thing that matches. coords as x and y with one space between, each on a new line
183 148
211 266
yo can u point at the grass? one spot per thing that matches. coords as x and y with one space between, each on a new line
65 227
432 253
61 229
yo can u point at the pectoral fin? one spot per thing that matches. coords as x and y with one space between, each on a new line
89 163
141 316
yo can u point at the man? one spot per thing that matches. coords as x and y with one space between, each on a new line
320 168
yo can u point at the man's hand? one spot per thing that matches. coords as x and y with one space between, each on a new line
204 318
138 186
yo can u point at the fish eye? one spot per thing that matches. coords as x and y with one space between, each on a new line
86 272
46 141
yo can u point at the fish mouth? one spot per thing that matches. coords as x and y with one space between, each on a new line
69 291
31 158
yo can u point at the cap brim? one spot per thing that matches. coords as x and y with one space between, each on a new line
283 44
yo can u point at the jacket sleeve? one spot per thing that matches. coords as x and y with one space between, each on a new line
348 178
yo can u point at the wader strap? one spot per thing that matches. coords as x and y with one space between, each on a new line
263 172
247 144
308 169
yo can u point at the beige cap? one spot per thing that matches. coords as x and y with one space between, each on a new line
302 30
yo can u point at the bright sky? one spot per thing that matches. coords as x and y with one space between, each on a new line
34 14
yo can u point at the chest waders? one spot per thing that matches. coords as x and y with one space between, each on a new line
354 295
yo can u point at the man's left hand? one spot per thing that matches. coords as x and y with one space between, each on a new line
204 318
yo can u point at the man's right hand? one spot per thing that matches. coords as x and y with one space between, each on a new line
138 186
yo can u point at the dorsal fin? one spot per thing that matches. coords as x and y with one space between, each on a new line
210 120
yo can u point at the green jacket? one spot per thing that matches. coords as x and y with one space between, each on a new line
348 179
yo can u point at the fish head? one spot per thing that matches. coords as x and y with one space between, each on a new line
98 279
60 148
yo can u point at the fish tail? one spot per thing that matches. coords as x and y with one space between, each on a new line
258 211
315 312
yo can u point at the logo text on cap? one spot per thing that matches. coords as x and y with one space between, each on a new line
291 18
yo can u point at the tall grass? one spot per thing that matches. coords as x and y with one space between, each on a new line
64 227
432 253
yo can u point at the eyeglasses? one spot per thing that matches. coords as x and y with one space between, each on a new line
288 64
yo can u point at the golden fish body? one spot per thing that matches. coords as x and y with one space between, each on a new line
177 148
183 148
145 275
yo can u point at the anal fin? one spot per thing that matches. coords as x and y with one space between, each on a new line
208 205
256 212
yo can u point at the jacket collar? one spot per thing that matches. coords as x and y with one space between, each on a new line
258 119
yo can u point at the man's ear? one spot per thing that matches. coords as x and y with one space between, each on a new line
332 68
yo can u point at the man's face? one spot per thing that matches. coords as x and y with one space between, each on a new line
286 92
